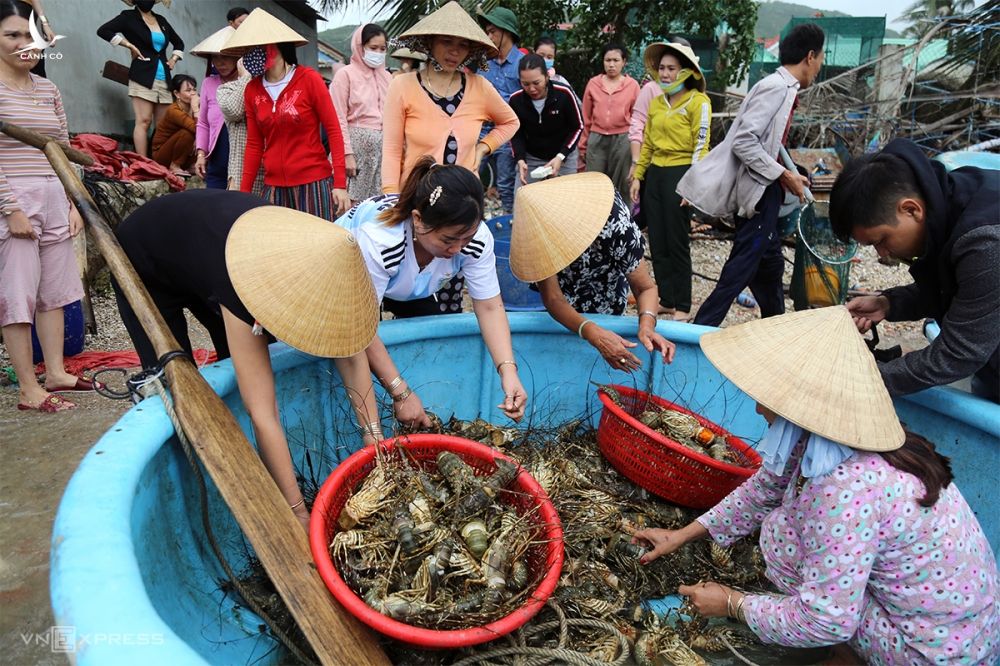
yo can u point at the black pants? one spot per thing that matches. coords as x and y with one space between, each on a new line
755 261
669 236
171 305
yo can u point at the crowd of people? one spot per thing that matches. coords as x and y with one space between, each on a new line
371 186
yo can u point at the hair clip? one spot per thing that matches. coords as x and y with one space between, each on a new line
435 195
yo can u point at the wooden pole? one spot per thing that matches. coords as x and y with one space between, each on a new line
245 486
33 138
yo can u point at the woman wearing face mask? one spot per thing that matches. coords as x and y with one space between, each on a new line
545 47
145 35
676 136
173 141
285 105
607 111
417 241
212 137
358 91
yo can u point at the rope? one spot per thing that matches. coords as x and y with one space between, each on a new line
155 383
539 656
736 654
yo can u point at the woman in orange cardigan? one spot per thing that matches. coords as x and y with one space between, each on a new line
440 111
173 141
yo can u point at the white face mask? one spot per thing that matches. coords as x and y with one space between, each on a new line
374 58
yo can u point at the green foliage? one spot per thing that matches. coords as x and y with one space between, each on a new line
339 38
637 22
633 22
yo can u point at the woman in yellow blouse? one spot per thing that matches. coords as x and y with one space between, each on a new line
676 136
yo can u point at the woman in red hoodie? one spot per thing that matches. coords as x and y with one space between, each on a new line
286 105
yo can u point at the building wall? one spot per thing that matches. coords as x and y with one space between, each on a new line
95 104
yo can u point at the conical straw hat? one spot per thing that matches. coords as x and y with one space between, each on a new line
555 220
212 45
813 369
260 29
303 279
654 53
451 20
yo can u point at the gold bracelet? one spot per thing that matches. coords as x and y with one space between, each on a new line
503 363
729 603
740 612
298 504
373 428
648 312
394 384
402 396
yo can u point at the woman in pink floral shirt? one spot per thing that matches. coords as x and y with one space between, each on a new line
868 541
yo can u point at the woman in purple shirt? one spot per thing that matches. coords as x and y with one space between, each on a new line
870 545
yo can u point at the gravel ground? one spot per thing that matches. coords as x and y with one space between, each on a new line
708 257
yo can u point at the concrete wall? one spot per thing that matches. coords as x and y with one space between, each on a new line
95 104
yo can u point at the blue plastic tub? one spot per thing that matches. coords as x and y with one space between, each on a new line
132 576
73 337
517 296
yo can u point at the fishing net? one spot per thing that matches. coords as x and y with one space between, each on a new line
821 275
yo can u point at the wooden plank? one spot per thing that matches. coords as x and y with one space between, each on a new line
37 140
245 486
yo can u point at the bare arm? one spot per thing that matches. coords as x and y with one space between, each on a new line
406 405
358 385
496 335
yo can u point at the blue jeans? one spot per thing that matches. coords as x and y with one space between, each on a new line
505 171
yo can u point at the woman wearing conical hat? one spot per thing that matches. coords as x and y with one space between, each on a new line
250 273
675 136
285 105
212 136
586 262
440 110
872 547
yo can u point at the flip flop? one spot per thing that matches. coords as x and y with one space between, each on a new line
49 405
81 386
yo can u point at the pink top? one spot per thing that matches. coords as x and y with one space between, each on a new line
210 120
640 111
857 560
607 111
358 92
415 126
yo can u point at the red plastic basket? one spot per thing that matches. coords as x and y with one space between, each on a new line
661 465
544 558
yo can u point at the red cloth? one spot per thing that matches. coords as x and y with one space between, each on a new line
285 133
124 164
92 360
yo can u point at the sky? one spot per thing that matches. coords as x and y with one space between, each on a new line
891 9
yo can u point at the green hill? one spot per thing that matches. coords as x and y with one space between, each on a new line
339 38
773 16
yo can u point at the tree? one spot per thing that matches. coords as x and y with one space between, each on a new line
632 22
923 15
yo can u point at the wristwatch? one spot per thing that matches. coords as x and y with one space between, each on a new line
562 158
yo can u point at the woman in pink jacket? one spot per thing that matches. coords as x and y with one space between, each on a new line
358 91
211 136
607 111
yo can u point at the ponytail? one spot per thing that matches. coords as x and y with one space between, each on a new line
445 195
918 457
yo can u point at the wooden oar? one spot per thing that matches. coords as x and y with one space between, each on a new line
245 486
33 138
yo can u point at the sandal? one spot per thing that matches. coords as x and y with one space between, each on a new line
81 386
50 404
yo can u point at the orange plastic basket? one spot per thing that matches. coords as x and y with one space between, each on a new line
661 465
544 560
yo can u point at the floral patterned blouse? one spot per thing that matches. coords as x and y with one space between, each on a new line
597 282
858 560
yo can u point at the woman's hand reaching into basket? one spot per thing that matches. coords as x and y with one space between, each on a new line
663 542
